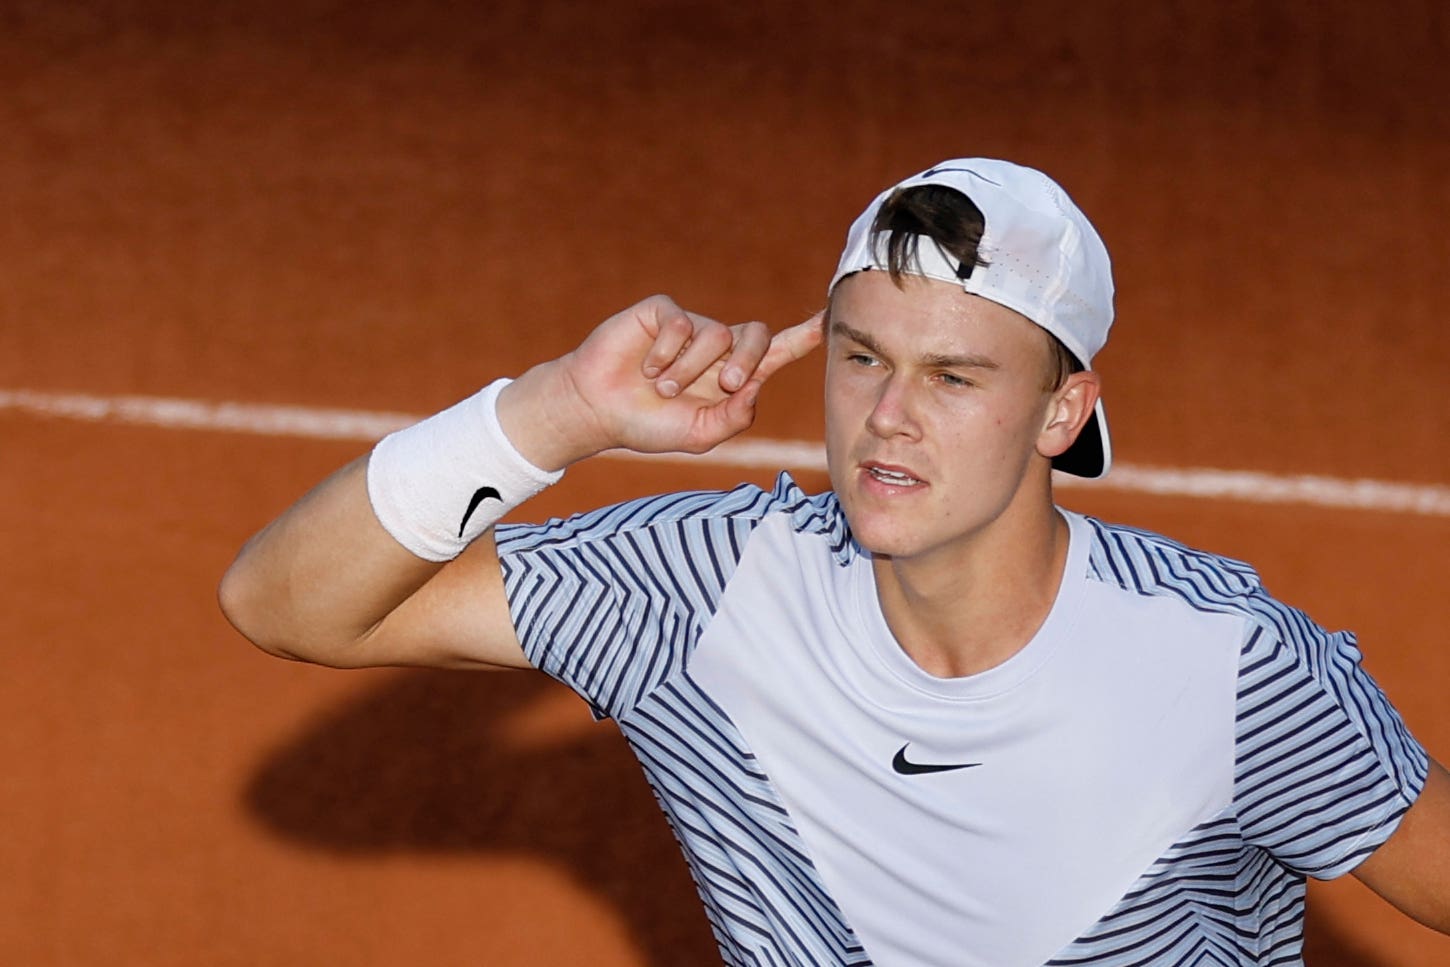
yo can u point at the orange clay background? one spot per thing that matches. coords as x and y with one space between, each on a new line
382 206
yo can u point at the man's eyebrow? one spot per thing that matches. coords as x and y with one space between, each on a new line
939 360
969 361
856 336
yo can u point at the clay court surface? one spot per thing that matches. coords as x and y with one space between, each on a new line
380 208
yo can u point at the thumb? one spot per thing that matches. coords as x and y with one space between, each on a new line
792 344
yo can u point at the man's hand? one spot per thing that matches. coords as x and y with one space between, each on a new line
654 379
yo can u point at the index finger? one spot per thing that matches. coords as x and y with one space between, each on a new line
792 344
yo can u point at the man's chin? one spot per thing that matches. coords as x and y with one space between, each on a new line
884 541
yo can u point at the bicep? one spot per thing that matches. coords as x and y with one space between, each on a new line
1411 869
459 619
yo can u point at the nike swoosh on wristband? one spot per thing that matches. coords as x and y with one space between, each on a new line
479 496
908 768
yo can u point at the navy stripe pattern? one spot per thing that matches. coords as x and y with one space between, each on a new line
613 602
1324 768
764 898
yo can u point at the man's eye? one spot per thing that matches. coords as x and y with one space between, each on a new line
952 379
862 359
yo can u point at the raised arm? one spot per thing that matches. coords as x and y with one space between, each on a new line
326 582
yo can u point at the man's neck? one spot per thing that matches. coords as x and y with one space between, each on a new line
968 608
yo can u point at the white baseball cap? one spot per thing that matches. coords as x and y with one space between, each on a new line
1043 259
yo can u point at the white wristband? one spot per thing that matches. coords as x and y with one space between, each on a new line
437 485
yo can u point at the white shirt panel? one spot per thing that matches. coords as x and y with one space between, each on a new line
1097 745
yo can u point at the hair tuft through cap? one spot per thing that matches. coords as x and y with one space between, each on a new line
1043 259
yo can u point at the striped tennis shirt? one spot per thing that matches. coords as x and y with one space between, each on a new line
1148 781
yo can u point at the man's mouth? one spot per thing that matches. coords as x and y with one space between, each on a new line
892 476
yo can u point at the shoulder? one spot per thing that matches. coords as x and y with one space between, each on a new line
722 512
1144 563
1286 659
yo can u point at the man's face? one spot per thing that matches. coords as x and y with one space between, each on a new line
935 402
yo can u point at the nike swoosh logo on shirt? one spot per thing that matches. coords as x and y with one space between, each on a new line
908 768
479 496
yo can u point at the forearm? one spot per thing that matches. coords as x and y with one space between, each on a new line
317 582
319 578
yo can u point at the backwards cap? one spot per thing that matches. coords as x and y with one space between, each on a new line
1043 259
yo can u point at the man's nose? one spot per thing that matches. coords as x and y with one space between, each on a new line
893 412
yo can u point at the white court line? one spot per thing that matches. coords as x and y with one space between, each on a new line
365 426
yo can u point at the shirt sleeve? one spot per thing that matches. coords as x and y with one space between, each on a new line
1325 767
612 602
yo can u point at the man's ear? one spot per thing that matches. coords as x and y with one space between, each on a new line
1068 410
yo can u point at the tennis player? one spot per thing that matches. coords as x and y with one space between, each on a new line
928 717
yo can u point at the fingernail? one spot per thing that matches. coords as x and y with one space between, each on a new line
667 387
732 378
650 372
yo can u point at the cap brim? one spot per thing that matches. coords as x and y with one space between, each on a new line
1091 454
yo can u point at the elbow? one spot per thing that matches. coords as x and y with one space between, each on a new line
267 614
246 609
231 597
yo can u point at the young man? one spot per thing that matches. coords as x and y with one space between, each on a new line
925 718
